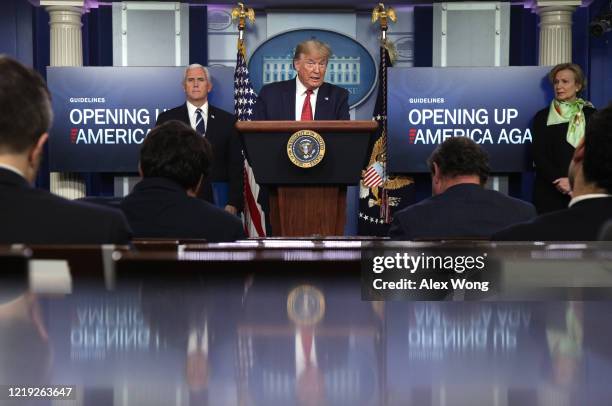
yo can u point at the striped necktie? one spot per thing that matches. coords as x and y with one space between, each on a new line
200 126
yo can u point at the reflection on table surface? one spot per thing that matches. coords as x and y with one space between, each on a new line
259 341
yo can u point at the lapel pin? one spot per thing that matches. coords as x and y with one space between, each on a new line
212 116
327 98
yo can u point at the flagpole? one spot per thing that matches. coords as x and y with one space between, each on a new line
240 13
244 100
383 15
381 193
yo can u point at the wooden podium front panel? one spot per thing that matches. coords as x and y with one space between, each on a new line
303 211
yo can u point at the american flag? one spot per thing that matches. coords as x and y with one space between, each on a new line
373 177
244 100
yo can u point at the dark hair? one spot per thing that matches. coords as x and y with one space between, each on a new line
597 163
175 151
25 108
572 67
460 156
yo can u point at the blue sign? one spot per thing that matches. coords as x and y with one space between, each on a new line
492 106
103 114
351 66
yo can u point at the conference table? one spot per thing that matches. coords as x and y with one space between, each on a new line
289 322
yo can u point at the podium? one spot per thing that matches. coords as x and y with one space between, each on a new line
307 201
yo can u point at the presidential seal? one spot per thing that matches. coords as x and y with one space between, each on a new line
306 148
306 305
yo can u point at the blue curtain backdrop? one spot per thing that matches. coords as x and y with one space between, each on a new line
523 37
16 30
580 42
600 58
198 34
98 51
41 59
423 57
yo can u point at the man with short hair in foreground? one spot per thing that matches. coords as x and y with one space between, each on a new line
174 163
590 176
460 206
29 215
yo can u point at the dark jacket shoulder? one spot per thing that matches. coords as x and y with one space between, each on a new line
464 210
177 113
35 216
220 113
160 208
580 222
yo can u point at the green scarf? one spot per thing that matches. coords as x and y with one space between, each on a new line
571 113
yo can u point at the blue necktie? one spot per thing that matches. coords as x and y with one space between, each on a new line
200 127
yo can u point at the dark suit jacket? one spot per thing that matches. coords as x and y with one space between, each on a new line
160 208
605 233
551 156
581 222
227 157
465 210
276 101
33 216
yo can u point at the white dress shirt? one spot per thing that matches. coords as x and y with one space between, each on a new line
191 109
586 197
300 96
12 169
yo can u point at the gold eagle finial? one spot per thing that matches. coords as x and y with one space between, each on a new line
241 13
383 15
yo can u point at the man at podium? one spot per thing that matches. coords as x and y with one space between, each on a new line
307 97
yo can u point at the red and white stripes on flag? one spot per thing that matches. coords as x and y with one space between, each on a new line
244 100
253 217
373 176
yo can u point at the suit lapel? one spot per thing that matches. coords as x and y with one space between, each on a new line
185 115
211 123
289 100
322 105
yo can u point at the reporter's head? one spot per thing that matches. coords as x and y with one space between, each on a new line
458 160
25 116
175 151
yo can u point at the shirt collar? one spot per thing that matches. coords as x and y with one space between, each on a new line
300 89
12 169
192 109
586 197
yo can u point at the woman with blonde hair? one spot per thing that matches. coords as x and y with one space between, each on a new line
557 130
